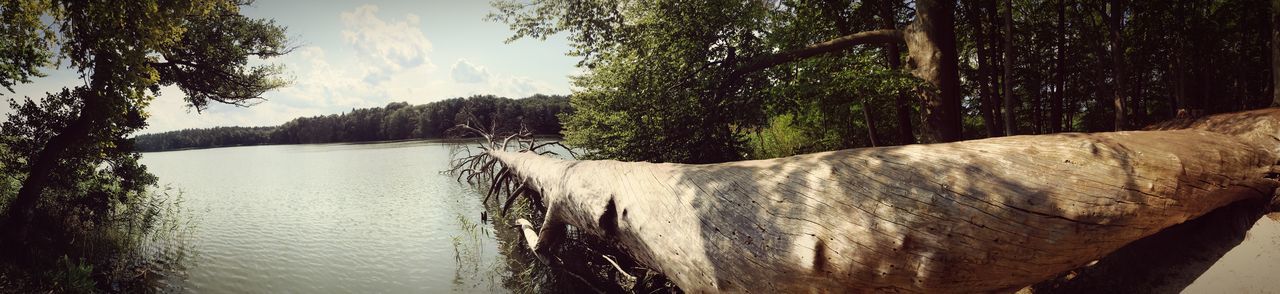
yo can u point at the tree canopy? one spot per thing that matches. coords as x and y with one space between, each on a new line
664 79
70 151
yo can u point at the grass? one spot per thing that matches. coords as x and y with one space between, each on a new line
138 243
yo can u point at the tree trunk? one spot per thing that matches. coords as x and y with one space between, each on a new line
1275 53
975 216
1009 127
889 19
931 47
983 39
92 112
21 209
1036 101
867 115
1179 70
1116 16
931 51
1055 105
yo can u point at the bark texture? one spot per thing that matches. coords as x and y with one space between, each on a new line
1009 107
982 215
902 105
931 51
1116 24
1275 52
1059 90
833 45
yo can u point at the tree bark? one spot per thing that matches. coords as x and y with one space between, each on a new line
931 51
869 117
1179 70
1275 53
1116 23
973 216
986 80
1055 105
902 104
931 47
1009 107
833 45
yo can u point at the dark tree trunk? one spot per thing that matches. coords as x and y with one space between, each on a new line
92 112
867 114
931 45
1055 105
20 210
1037 108
1116 22
1138 100
1181 102
983 39
1275 52
889 20
1009 127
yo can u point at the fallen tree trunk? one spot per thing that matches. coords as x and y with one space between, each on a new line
983 215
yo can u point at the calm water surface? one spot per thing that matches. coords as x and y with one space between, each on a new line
344 218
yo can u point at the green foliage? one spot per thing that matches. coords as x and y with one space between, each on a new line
92 201
8 181
1218 47
659 82
780 138
396 121
25 42
73 277
662 82
107 161
654 90
101 209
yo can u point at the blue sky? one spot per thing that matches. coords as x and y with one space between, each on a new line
366 54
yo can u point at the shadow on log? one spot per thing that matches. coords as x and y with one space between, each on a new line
995 214
1168 261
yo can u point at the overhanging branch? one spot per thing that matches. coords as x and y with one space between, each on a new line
833 45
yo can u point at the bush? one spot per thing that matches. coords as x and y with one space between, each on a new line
129 249
72 277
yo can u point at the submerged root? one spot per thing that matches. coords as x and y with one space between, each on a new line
571 253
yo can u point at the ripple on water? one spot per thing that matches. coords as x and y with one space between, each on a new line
323 218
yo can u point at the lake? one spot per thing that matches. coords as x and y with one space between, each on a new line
344 218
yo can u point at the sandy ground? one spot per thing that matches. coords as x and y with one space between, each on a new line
1251 267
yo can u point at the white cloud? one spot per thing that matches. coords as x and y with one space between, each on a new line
468 78
317 82
465 72
387 47
390 63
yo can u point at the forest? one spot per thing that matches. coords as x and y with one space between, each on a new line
396 121
690 74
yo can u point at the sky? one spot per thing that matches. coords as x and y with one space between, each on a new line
368 54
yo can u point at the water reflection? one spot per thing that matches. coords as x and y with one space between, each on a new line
474 272
347 218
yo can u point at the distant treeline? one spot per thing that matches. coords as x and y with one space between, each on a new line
396 121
